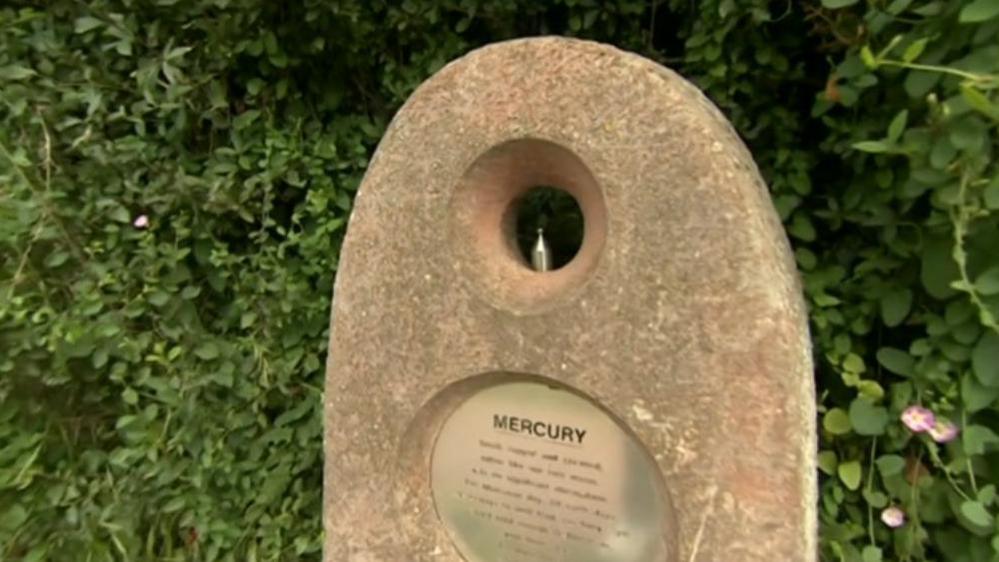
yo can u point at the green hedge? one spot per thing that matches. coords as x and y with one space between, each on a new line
175 177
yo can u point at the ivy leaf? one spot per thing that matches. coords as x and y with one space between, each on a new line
987 494
978 11
86 23
985 359
120 214
254 86
177 52
938 268
158 298
207 351
867 56
247 319
871 553
836 421
942 154
870 390
296 413
274 485
895 307
969 133
176 504
245 119
13 517
896 361
976 513
849 474
130 396
930 9
801 228
866 418
874 147
897 125
979 102
919 82
958 312
991 194
876 499
37 554
890 465
836 4
988 282
913 51
57 258
977 397
854 363
976 437
15 72
828 462
224 375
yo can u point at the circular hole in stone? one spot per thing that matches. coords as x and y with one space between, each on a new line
554 212
484 211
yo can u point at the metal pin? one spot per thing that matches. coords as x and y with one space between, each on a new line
541 254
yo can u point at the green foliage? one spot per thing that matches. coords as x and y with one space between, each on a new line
161 378
910 114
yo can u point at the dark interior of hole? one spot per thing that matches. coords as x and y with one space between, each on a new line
559 215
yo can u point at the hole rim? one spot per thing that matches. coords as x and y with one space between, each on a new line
483 214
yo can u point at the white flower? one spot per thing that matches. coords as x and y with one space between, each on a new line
893 516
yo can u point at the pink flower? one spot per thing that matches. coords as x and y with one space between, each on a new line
918 419
893 517
943 431
141 222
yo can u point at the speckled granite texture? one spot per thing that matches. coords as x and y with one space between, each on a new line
681 314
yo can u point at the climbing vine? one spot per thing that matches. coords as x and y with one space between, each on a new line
175 181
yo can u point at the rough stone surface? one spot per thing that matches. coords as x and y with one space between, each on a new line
682 314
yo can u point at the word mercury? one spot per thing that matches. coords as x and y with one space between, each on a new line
539 428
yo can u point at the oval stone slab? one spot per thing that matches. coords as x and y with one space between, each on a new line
680 320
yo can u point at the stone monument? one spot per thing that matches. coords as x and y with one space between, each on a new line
649 401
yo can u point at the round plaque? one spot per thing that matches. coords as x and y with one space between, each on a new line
529 472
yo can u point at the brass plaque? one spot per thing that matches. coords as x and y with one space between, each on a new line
527 472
